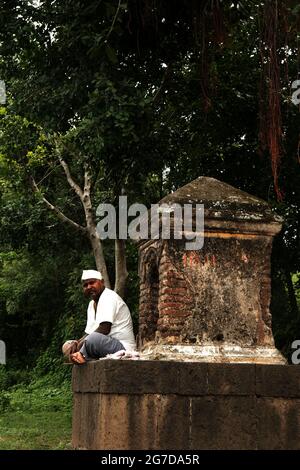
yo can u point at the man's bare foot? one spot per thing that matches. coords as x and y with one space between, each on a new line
77 358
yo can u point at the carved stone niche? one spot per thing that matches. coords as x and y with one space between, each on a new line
210 304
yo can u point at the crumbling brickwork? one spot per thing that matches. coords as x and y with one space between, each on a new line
218 295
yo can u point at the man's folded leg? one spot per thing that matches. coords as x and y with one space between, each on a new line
97 345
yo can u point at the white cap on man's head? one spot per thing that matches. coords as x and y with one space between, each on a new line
91 274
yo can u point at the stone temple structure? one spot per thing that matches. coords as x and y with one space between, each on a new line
209 376
210 304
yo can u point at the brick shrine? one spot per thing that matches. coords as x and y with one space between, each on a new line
211 304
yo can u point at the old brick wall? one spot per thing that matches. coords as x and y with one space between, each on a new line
175 299
218 294
167 405
149 293
166 297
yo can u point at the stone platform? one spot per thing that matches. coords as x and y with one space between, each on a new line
168 405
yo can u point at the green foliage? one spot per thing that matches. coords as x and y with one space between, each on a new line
36 415
29 292
42 395
11 376
4 402
285 308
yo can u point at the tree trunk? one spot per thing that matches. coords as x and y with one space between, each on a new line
121 267
98 254
90 229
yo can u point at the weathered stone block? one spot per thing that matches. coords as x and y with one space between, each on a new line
231 379
115 376
278 381
87 377
192 378
172 423
120 427
278 423
167 405
86 409
223 423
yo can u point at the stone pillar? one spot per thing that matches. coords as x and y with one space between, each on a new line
211 304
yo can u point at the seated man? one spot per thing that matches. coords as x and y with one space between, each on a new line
109 324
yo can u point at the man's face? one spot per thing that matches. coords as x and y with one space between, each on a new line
93 288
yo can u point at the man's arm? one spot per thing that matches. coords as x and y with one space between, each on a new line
104 328
72 346
80 342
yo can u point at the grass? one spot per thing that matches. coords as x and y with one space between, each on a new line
36 416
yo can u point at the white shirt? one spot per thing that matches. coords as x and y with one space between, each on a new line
111 308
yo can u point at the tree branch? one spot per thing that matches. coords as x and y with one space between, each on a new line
71 181
166 76
54 209
87 181
121 267
114 20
